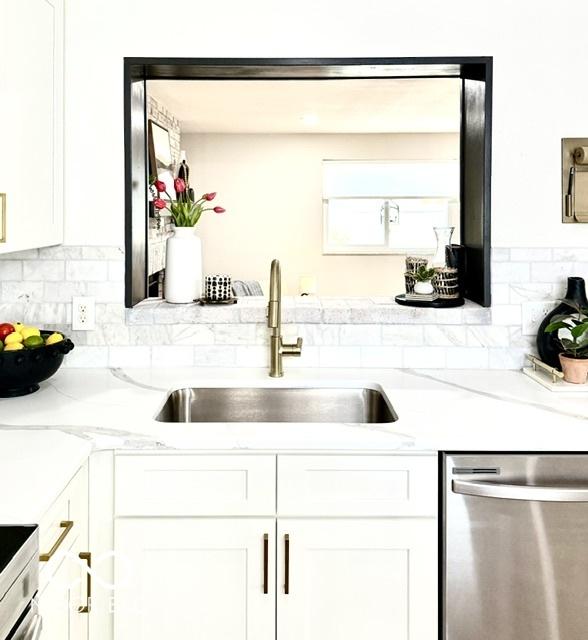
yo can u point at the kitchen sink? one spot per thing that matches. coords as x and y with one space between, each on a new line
275 404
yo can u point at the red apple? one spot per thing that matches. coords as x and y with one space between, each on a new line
5 329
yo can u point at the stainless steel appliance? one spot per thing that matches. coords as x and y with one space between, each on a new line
19 582
515 557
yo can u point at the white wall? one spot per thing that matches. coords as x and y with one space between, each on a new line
271 186
539 50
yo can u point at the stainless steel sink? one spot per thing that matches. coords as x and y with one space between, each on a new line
274 404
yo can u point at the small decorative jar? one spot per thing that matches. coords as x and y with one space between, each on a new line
446 283
218 288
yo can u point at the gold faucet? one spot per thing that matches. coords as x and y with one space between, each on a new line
274 321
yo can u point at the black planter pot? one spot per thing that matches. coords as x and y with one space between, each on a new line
548 346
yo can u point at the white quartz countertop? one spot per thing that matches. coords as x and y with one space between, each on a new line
35 467
438 410
47 436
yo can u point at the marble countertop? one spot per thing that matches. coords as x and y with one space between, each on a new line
438 410
35 467
47 436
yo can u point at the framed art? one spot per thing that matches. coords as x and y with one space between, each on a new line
161 165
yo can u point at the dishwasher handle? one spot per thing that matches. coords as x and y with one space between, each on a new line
485 489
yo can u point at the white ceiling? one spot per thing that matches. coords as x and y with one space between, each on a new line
406 105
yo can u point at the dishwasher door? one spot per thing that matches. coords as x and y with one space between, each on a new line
515 557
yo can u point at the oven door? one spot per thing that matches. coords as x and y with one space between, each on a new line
29 625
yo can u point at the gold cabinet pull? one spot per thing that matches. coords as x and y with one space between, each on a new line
287 564
265 561
87 556
67 526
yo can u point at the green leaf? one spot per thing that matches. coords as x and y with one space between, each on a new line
579 330
556 326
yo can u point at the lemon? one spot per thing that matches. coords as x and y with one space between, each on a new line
18 327
27 332
13 346
13 338
32 342
54 338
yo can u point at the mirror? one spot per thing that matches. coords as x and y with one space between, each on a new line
340 179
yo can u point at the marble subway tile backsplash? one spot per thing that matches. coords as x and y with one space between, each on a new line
37 286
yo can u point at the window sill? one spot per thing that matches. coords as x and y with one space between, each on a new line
306 310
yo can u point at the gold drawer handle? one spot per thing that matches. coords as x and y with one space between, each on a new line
67 526
87 556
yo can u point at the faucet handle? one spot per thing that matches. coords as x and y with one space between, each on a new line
292 349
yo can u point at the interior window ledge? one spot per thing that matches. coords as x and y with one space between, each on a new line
306 310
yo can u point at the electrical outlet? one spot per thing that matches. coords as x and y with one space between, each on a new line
83 313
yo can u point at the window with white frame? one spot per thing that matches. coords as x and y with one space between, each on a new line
381 207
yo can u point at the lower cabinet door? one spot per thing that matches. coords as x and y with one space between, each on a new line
205 578
346 579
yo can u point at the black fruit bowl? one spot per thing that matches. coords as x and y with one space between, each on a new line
21 371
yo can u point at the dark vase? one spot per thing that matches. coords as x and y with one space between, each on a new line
548 346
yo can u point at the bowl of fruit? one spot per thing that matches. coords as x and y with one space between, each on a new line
28 356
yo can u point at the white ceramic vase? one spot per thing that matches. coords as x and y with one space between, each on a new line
183 266
424 288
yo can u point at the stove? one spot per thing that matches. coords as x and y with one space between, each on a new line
19 583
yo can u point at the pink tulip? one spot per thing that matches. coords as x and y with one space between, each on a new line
158 203
159 185
209 196
179 185
219 210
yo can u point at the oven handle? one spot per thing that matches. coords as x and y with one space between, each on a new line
484 489
34 631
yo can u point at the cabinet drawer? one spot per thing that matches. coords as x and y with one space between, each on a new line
192 485
357 485
72 506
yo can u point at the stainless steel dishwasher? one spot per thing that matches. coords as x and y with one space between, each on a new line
515 556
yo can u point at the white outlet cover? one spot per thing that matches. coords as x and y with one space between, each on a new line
83 313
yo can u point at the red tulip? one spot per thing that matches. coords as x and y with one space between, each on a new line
209 196
158 203
159 185
219 210
179 185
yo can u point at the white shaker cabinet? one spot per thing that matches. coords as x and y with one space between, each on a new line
345 579
31 124
209 578
351 548
63 578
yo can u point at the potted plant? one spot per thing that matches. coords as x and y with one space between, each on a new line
572 334
424 280
183 256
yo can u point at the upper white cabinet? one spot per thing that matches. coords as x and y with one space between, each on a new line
31 124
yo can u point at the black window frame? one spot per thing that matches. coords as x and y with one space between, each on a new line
475 152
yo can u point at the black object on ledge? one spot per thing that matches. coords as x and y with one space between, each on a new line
205 301
440 303
548 345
